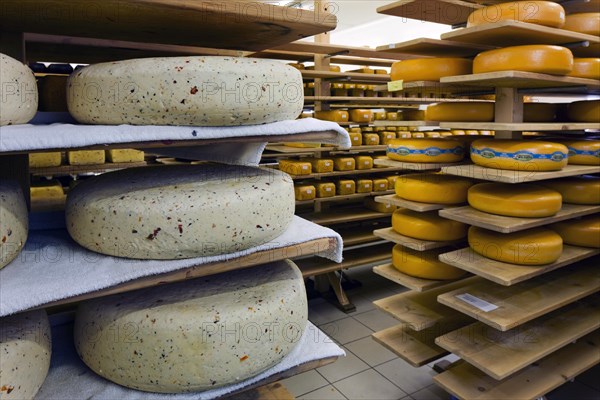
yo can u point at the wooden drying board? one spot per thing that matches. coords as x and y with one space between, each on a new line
420 285
385 100
345 76
304 57
281 148
416 166
342 198
448 12
412 243
434 48
273 391
240 25
514 33
508 176
355 214
499 223
302 46
521 126
395 200
65 170
319 175
467 382
528 300
421 310
406 123
501 354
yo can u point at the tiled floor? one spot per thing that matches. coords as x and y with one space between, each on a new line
370 371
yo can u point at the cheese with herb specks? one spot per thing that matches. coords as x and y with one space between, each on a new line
18 91
14 221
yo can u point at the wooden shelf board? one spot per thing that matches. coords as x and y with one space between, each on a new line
421 310
354 214
397 201
345 76
360 149
434 48
416 166
281 148
412 243
352 258
521 126
448 12
467 382
303 57
528 300
356 238
509 274
406 123
513 33
64 170
345 173
501 354
384 100
499 223
420 285
508 176
302 46
341 197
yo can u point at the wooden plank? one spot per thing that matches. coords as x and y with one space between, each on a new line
436 88
301 57
406 123
467 382
416 166
521 126
434 48
241 25
412 243
420 285
342 198
449 12
351 214
355 172
385 100
281 148
421 310
509 274
345 76
528 300
508 176
499 223
303 46
397 201
501 354
65 170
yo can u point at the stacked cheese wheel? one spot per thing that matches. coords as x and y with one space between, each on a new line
18 90
13 221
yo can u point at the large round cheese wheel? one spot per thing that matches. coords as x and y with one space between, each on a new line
25 350
584 111
429 69
175 211
588 23
544 59
198 91
524 200
195 335
577 189
583 152
460 112
544 13
14 221
580 232
520 155
537 246
540 112
433 188
18 90
427 225
586 68
425 150
423 264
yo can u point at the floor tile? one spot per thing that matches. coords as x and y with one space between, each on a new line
361 303
376 320
345 330
431 392
405 376
450 358
575 390
370 351
325 393
343 367
320 311
590 377
304 383
369 385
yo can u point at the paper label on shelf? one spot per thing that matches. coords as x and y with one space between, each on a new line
394 86
477 302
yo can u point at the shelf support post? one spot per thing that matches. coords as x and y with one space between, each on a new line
508 109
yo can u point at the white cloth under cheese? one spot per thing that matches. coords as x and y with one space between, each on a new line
18 91
195 335
198 91
13 221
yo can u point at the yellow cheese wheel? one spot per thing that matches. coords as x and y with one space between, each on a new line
577 189
363 162
361 115
588 23
580 232
523 200
540 112
356 138
583 152
584 111
385 137
537 246
544 13
305 192
429 69
432 134
370 139
426 150
544 59
423 264
519 155
333 115
427 226
433 188
393 116
380 185
586 68
321 165
460 112
379 115
345 186
295 167
325 189
412 115
364 186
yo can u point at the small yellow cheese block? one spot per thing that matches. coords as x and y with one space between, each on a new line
392 179
412 115
537 246
363 162
534 12
345 187
357 93
333 115
588 23
332 68
363 70
302 145
124 155
349 86
540 112
361 115
344 164
386 136
367 129
380 157
426 150
370 139
391 128
51 190
356 138
417 135
379 128
321 165
379 115
423 264
460 112
519 155
393 116
364 186
583 152
429 69
380 185
86 157
584 111
432 134
305 192
403 135
297 66
355 129
434 188
294 167
542 59
588 68
379 207
45 160
337 85
577 189
325 189
458 132
446 134
580 232
427 226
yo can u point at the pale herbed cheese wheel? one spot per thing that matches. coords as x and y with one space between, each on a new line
460 112
577 189
544 13
25 346
537 246
427 226
583 152
519 155
433 188
195 335
333 115
173 212
425 150
586 68
584 111
588 23
544 59
14 221
423 264
540 112
192 91
523 200
18 91
429 69
579 232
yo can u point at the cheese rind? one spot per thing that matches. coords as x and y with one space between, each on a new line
433 188
544 13
543 59
586 68
523 200
588 23
425 150
579 232
460 112
174 212
86 157
584 111
427 226
18 91
520 155
124 155
423 264
429 69
14 221
577 190
192 91
583 152
190 337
